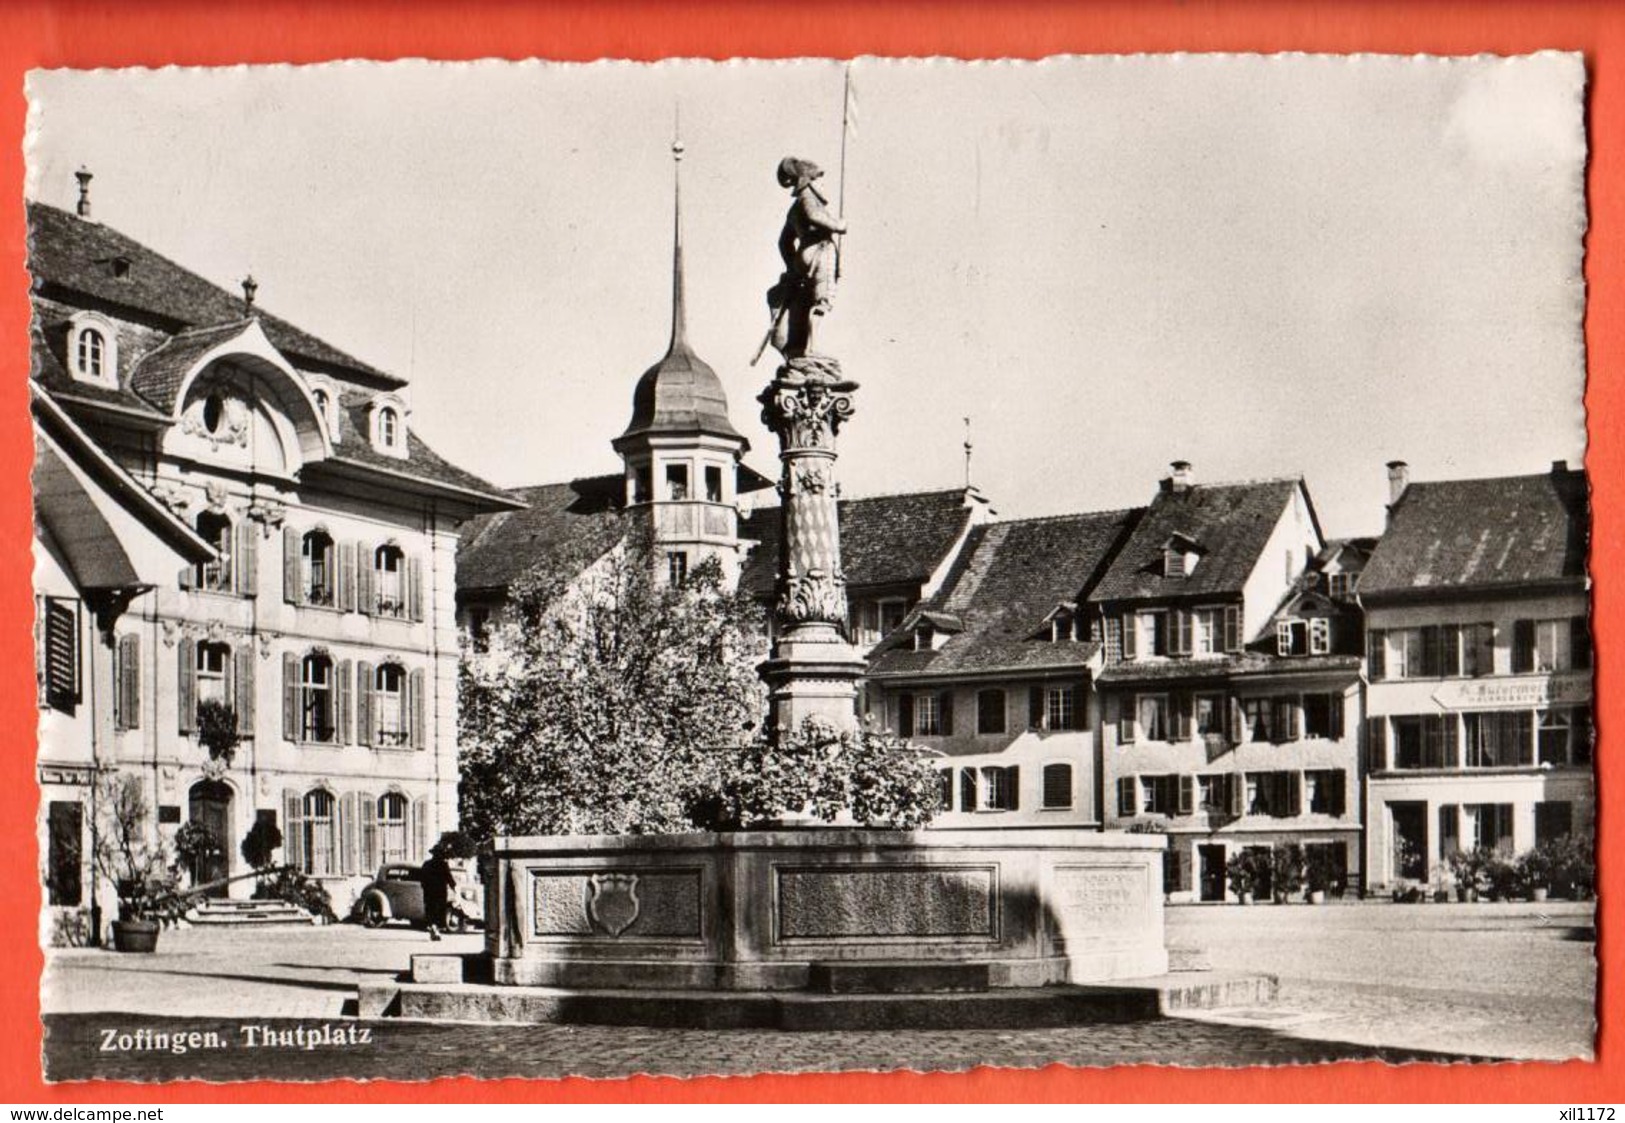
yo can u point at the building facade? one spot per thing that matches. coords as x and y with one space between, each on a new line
1230 685
320 626
1479 731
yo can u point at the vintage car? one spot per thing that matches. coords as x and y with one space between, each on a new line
397 894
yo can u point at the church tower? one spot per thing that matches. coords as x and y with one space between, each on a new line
681 452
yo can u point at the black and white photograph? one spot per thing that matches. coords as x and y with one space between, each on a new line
718 568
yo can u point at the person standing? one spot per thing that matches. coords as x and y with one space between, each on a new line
437 885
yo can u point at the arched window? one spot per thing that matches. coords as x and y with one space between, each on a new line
316 556
388 427
213 661
319 849
389 705
92 346
316 698
321 401
389 580
392 828
215 575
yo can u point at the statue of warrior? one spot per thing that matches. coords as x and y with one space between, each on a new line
806 289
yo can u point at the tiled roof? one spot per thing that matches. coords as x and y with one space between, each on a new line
1212 670
76 257
1004 586
1230 522
885 539
159 373
679 394
1464 534
566 524
73 254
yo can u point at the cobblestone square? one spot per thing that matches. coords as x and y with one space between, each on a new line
1367 981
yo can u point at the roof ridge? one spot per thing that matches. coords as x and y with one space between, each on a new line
1546 475
1115 511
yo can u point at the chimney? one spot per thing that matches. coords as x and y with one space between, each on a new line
84 177
1182 477
1559 467
1399 478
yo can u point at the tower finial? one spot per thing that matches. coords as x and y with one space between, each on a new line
968 484
250 287
679 313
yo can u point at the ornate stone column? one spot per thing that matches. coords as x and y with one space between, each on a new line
813 670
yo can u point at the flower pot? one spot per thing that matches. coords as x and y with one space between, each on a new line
1441 896
1538 893
135 935
1317 896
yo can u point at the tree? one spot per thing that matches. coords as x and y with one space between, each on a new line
609 699
616 702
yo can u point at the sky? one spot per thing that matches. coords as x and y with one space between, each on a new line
1264 265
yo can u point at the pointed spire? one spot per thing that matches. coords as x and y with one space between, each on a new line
679 312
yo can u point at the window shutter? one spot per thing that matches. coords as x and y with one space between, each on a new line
1450 636
1232 627
414 695
1336 702
1035 707
293 829
1523 647
1450 739
1182 630
1376 655
1434 732
1187 795
1127 720
363 703
1238 721
292 587
342 685
1236 789
1291 706
366 598
1012 787
1294 794
420 828
344 600
945 707
246 575
369 832
1182 716
290 696
129 681
1113 638
186 691
1080 707
1130 638
1339 793
1127 804
414 587
967 790
243 688
1376 736
905 714
347 833
1580 642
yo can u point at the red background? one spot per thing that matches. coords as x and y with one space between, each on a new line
73 34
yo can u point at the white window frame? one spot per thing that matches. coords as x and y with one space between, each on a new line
396 446
927 715
79 328
317 694
1320 635
212 674
386 581
1140 724
1553 651
389 703
392 834
1059 708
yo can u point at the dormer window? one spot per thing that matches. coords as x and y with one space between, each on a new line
388 424
389 427
1179 557
1063 628
93 349
924 638
326 398
321 399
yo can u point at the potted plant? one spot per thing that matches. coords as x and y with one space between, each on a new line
1441 880
217 730
1502 875
1239 872
194 844
1287 870
1466 869
1534 871
129 854
1319 874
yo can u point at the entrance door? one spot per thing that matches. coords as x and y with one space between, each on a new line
211 807
1410 840
1211 861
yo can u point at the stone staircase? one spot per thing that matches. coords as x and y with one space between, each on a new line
217 912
